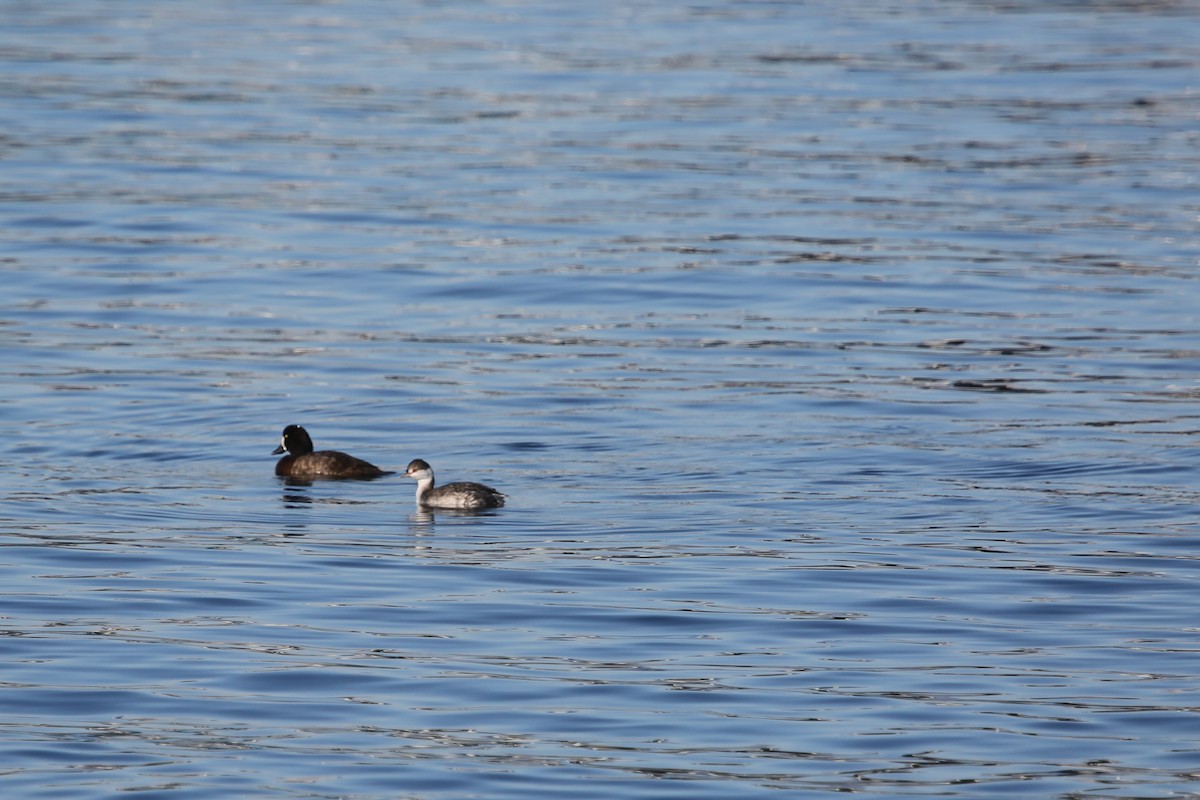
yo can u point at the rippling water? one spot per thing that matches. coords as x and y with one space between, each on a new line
839 362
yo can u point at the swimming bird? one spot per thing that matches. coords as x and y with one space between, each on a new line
302 463
462 495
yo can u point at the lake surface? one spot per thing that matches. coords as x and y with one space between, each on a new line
841 363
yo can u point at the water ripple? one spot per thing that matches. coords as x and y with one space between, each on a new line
837 360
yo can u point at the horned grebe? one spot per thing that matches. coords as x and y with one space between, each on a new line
302 463
465 495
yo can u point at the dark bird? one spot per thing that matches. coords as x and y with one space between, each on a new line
304 464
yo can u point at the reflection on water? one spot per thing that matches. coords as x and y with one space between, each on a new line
837 361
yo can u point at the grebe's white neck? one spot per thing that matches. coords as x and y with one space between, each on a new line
424 485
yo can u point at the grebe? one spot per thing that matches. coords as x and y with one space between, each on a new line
464 495
302 463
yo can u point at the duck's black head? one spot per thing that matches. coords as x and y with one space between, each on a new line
295 440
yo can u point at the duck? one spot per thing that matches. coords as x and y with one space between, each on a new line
304 464
463 495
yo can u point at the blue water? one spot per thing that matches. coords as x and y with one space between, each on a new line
839 362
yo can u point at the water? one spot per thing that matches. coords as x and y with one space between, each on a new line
838 360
